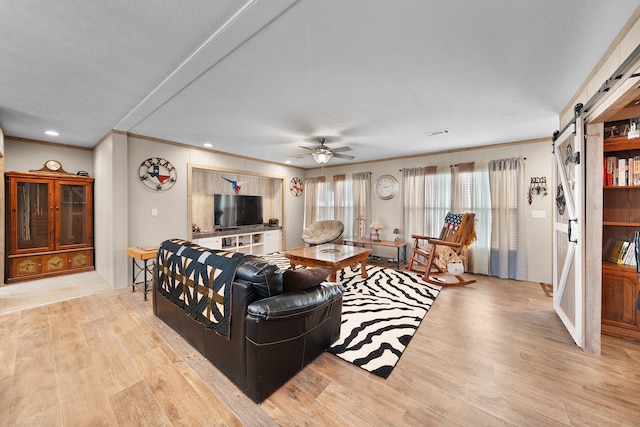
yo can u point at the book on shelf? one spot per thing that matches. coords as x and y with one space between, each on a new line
621 171
630 255
618 252
636 240
624 252
610 171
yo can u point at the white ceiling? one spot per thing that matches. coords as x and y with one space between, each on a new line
257 78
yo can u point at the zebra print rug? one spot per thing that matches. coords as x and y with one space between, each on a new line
380 314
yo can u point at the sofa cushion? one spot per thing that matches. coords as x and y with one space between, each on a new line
299 280
266 278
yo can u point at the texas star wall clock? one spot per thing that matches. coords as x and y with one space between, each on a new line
295 186
157 174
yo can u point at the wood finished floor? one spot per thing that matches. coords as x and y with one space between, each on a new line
493 353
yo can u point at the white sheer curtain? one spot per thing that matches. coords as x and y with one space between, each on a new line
361 199
437 198
343 202
471 193
426 200
508 251
413 190
317 205
337 198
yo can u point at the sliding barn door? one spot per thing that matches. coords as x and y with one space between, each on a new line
568 231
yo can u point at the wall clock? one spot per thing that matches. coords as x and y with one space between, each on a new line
157 174
295 186
386 187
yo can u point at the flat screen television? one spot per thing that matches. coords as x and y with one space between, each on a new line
235 210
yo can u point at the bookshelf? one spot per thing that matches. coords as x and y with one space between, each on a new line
620 221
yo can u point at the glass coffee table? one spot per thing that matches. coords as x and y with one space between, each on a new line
330 255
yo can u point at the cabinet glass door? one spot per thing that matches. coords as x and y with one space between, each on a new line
32 215
73 214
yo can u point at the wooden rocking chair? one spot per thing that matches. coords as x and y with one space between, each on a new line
435 254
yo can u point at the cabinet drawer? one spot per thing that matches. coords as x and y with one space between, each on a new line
54 262
80 259
26 266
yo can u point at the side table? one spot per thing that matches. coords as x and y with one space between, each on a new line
401 247
142 255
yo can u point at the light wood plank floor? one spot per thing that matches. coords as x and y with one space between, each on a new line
493 353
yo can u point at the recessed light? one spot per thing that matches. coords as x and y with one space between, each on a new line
208 144
52 133
437 132
288 162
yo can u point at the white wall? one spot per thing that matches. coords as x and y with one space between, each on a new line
172 204
123 205
539 163
110 211
24 156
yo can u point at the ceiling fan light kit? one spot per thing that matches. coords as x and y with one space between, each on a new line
322 157
322 154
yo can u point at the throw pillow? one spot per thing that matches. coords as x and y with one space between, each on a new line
299 280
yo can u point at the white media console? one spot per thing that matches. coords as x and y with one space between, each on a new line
249 241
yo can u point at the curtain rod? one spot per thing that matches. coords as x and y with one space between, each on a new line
523 158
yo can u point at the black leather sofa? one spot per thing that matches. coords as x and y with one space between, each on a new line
272 334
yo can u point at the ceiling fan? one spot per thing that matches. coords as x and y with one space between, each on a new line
321 153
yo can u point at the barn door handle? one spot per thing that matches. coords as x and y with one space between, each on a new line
569 234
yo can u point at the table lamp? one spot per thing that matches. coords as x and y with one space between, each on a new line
376 226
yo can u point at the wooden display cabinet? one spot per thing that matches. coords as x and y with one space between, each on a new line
620 220
49 224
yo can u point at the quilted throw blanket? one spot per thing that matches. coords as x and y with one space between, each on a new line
198 280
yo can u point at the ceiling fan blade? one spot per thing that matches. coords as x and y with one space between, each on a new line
341 149
307 148
300 156
344 156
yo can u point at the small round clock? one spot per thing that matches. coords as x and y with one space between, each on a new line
157 174
53 165
386 187
295 186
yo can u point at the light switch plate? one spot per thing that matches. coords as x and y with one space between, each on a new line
538 214
154 212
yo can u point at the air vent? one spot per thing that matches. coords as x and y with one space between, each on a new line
438 132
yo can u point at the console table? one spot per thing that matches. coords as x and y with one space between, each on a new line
401 247
144 255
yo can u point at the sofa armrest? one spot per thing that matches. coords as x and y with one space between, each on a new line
295 304
286 332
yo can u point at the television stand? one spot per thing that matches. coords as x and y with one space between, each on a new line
255 241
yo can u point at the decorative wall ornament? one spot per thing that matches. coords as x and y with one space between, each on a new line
157 174
234 184
295 186
537 187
